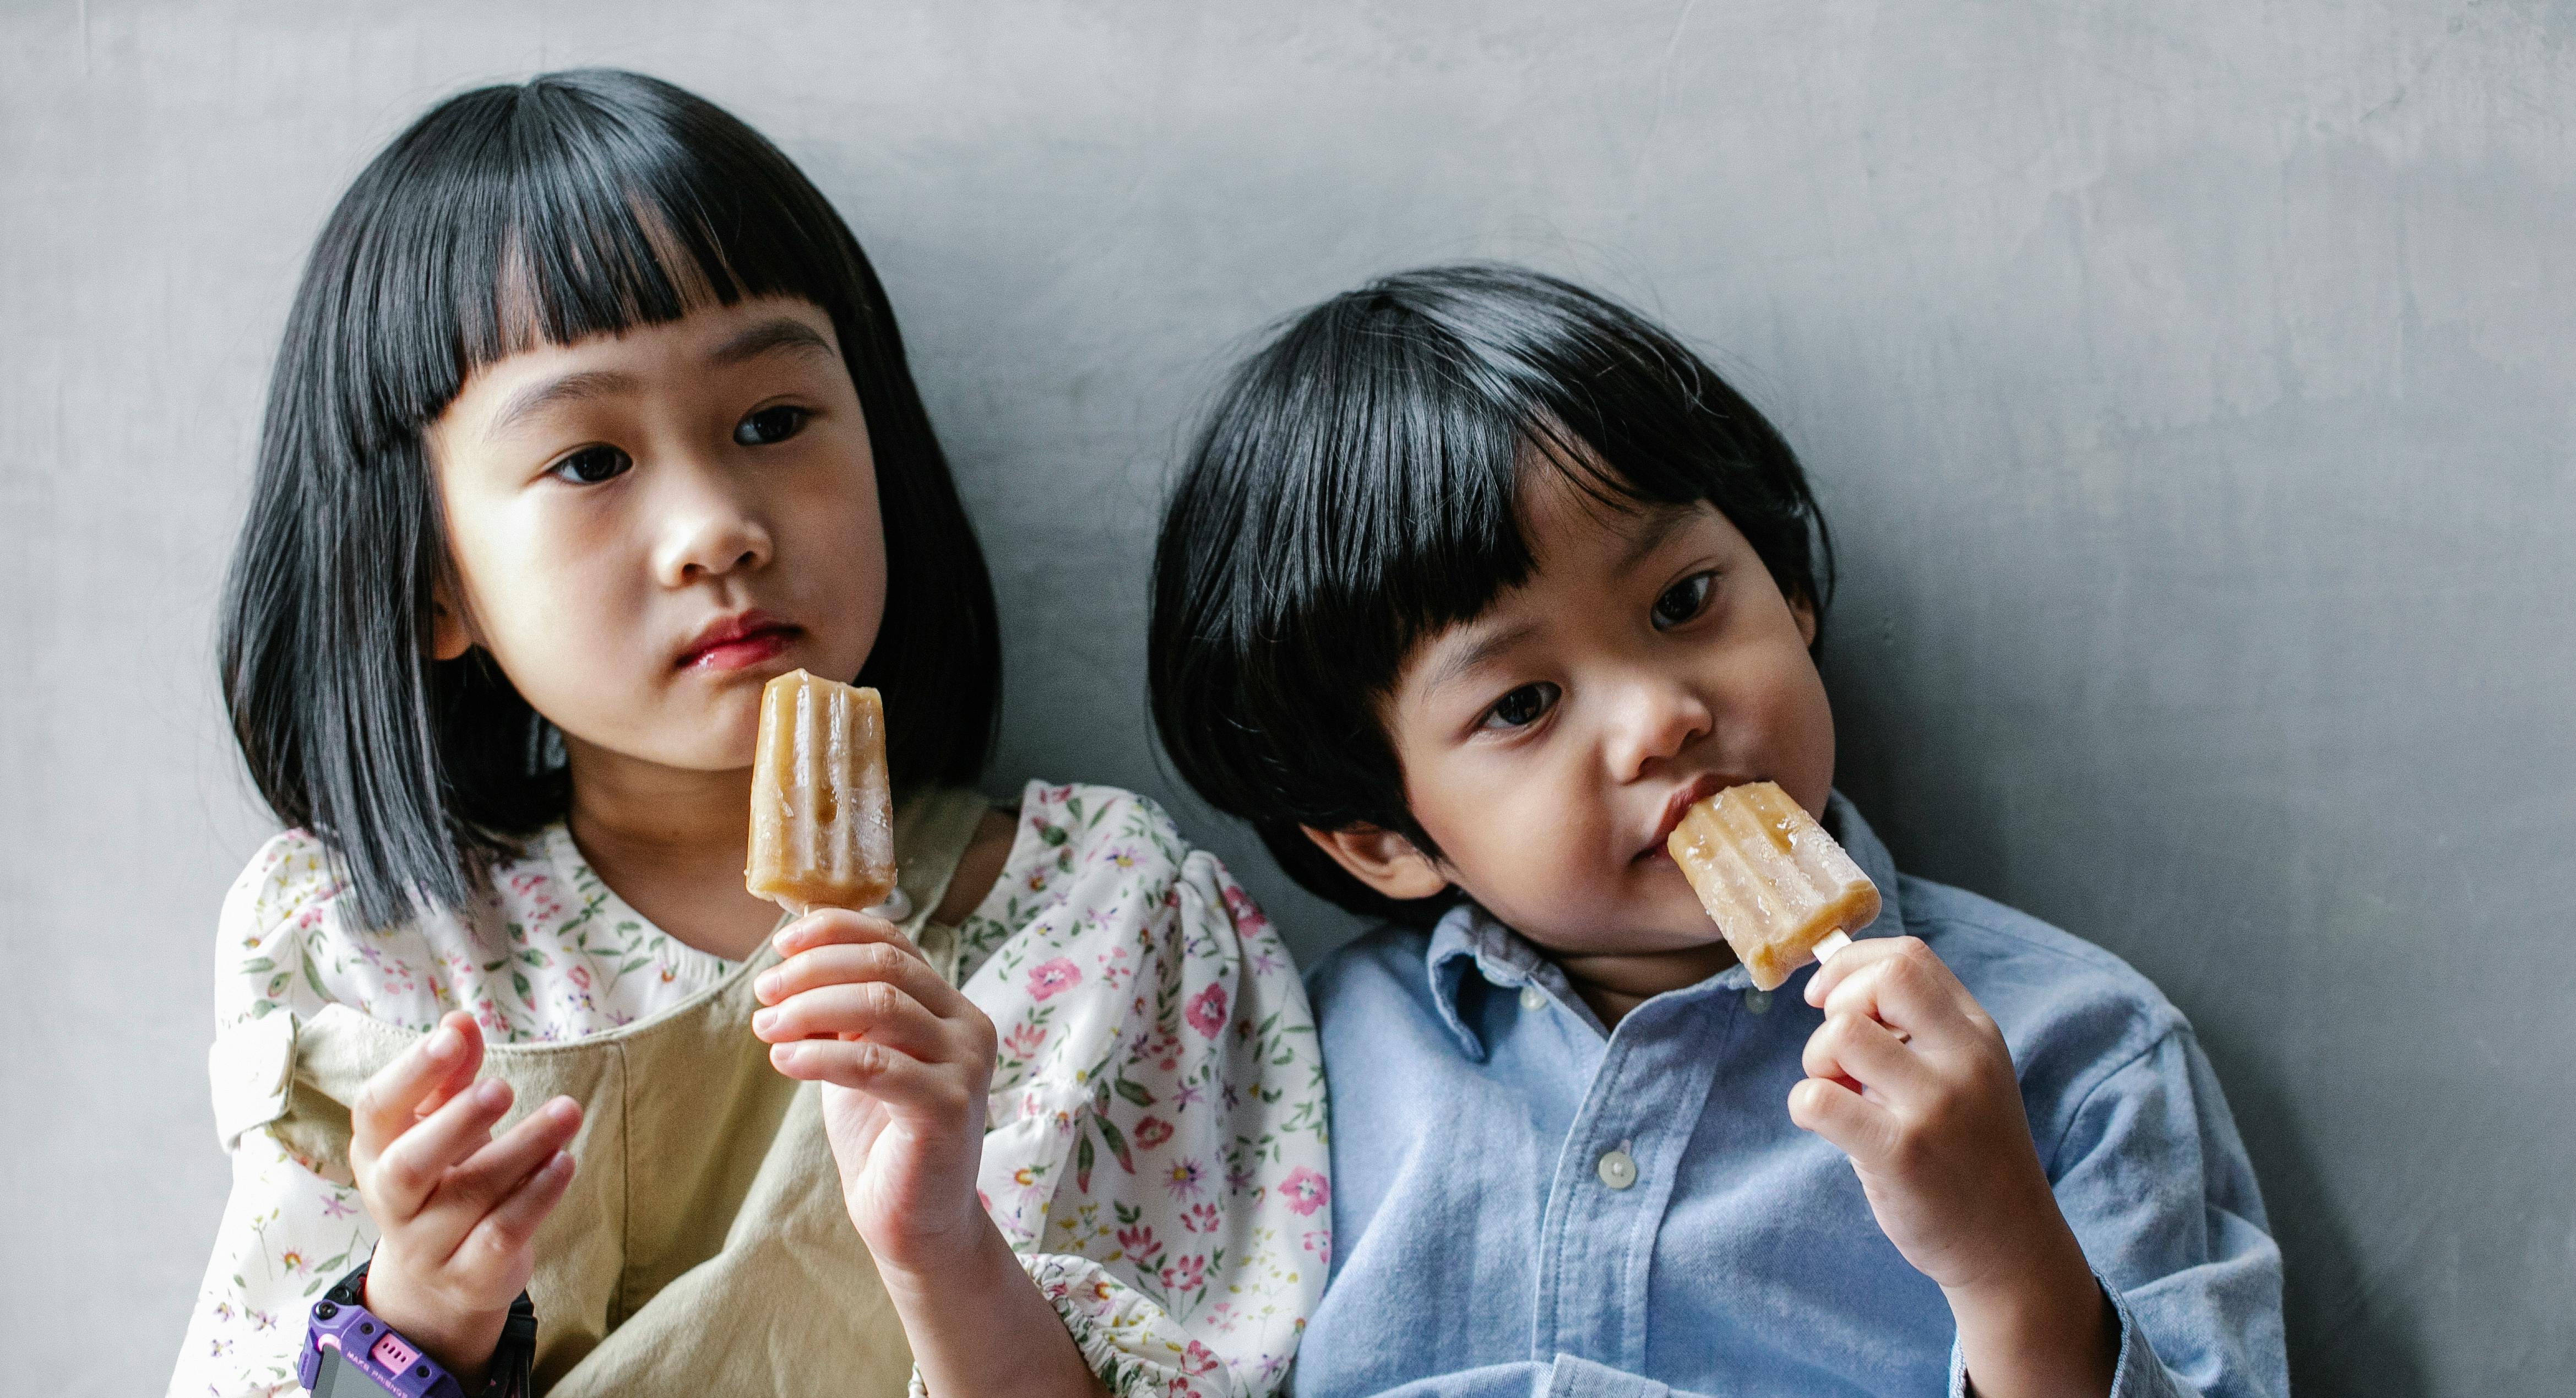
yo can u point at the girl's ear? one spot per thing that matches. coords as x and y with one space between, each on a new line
1384 860
449 636
1804 609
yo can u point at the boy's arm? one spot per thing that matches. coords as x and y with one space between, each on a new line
1910 1078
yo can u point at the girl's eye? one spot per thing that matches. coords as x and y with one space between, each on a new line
1683 600
1522 707
770 425
591 465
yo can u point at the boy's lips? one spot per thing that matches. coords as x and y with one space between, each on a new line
1685 796
737 641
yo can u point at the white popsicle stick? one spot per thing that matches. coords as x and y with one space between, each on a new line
1832 942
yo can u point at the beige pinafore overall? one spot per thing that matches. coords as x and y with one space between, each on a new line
703 1247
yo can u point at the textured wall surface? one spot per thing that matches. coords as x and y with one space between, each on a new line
2190 386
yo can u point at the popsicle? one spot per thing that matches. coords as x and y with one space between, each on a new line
1778 886
822 818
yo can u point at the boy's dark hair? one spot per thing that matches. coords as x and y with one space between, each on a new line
1356 490
556 209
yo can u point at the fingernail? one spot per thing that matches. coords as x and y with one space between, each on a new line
444 1043
490 1092
765 985
762 1019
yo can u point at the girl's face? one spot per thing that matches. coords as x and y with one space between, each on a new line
1551 744
647 527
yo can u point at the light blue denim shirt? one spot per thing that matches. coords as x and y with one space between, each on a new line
1524 1204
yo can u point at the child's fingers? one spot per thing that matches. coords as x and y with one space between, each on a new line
496 1249
840 926
872 1010
1852 1124
419 1081
1903 985
476 1185
1859 1049
902 1082
408 1170
853 963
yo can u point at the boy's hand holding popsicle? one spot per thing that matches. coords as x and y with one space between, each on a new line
1911 1079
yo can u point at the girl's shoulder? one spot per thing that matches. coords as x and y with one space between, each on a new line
1100 854
547 951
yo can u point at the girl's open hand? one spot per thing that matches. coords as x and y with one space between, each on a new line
905 1060
456 1211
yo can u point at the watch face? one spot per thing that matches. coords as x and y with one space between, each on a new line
338 1378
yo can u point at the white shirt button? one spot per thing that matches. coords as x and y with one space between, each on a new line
1618 1169
1533 998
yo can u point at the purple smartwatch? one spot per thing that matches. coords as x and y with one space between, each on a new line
348 1353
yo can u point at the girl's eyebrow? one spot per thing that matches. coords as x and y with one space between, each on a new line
1471 655
1657 524
571 388
778 332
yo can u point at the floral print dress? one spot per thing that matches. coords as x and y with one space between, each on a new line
1157 1147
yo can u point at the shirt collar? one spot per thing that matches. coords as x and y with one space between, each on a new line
1468 940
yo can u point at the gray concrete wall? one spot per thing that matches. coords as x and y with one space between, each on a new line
2189 383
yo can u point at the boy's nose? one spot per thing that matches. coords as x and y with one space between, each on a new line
1657 720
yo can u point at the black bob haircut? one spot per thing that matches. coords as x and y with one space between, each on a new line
1356 491
577 204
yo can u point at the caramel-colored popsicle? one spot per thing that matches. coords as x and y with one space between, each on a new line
1779 887
822 818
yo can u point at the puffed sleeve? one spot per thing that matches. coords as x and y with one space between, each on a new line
289 1230
2154 1180
1157 1154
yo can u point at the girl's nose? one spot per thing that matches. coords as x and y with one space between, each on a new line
1657 720
707 532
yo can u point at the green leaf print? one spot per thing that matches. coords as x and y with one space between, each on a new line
259 964
1134 1091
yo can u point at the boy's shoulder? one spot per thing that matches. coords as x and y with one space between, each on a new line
1389 959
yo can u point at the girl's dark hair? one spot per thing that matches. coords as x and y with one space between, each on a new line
1356 490
576 204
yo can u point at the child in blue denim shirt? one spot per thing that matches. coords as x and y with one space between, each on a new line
1473 583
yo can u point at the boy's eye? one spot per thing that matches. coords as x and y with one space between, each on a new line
1683 600
1522 707
770 425
591 465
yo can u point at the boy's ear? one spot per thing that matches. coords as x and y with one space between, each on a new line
1803 608
449 636
1384 860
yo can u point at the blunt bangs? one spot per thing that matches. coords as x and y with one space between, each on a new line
1357 489
577 204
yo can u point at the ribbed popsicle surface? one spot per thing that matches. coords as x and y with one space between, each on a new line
822 816
1770 876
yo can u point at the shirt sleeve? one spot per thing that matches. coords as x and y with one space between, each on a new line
1157 1154
288 1230
2155 1182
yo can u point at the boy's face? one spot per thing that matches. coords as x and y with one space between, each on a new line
1550 744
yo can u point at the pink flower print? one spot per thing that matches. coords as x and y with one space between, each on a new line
1139 1243
1048 979
1185 1274
262 1320
291 1260
579 976
1318 1241
1152 1132
1186 1178
1201 1218
1198 1358
1305 1191
337 1206
1024 1040
1206 1011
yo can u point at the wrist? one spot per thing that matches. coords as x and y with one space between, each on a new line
460 1341
974 1260
2041 1325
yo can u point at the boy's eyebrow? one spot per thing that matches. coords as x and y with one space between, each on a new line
778 332
571 388
1658 523
1467 657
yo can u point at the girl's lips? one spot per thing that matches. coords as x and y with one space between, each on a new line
741 652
